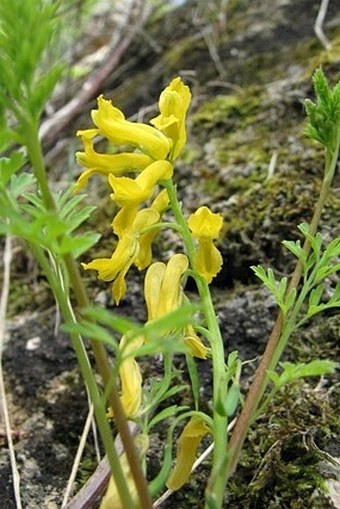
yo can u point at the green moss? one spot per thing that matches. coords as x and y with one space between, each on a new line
176 53
284 458
223 109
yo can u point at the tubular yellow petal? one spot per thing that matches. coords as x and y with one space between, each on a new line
131 378
197 348
159 170
118 287
127 191
144 257
131 387
174 102
123 220
111 123
171 284
143 219
161 201
152 288
208 260
205 224
117 163
188 443
105 164
108 268
162 286
160 204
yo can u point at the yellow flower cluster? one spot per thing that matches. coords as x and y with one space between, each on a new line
153 148
143 160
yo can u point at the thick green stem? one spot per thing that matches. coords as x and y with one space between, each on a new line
274 346
36 157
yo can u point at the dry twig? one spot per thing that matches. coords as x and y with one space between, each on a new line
7 257
121 40
318 26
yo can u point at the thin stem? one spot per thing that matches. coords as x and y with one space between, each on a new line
218 477
86 369
36 157
261 379
3 398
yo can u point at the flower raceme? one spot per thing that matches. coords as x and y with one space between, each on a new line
163 141
153 149
205 227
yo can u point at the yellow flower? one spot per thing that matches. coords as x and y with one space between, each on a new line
206 226
111 122
105 163
129 191
163 294
124 219
143 259
131 378
127 250
197 348
162 287
174 102
188 443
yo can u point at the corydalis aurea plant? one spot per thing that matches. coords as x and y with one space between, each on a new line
136 178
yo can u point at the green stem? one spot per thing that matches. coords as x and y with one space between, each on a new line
274 348
88 376
36 157
218 478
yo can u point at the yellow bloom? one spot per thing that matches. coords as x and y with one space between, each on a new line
105 163
163 294
127 250
188 443
174 102
129 191
131 378
162 287
206 226
124 219
143 259
208 260
111 122
197 348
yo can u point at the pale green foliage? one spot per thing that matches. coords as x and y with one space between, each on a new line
320 264
26 30
31 220
292 371
324 114
277 288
